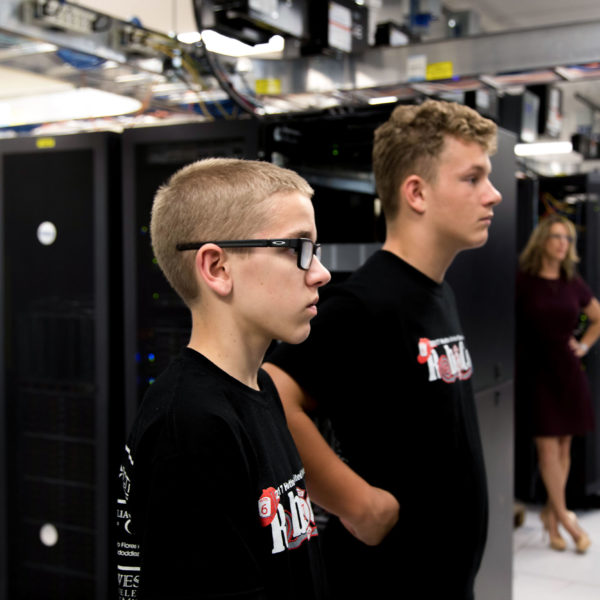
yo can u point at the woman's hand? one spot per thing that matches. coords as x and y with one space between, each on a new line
579 349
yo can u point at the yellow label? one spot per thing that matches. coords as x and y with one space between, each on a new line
439 70
45 142
270 86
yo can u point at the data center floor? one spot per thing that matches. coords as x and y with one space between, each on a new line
540 573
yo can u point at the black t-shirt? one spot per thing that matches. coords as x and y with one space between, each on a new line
388 365
213 502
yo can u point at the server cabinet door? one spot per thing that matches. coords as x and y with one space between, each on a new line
56 365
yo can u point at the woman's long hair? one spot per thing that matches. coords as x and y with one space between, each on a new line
530 260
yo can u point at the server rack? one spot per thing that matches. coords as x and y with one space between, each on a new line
590 269
156 321
60 366
333 153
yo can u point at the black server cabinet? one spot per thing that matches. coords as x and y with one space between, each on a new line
333 153
156 321
60 368
590 269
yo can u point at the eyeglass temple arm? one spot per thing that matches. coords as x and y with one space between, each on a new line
230 244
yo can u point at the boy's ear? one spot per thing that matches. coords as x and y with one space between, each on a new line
214 269
413 190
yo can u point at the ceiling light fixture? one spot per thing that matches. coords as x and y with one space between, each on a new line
222 44
543 148
81 103
383 100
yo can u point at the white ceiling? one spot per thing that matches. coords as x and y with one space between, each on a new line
176 16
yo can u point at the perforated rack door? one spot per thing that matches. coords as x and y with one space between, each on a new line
58 382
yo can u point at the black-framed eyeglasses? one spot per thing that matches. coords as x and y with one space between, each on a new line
561 236
305 248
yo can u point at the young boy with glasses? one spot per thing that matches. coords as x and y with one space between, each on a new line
213 501
388 365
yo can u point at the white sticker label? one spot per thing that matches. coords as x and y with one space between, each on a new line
340 27
46 233
416 67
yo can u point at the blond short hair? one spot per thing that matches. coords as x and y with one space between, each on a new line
213 199
530 260
412 139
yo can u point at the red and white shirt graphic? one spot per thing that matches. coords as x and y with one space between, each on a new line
446 358
288 512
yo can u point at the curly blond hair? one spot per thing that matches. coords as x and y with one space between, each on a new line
412 139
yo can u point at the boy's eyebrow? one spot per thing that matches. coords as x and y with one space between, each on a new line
479 168
301 234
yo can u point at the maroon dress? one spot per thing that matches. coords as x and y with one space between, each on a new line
552 390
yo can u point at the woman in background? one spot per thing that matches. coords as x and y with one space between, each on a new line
550 382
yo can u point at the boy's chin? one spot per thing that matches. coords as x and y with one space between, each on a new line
477 242
297 337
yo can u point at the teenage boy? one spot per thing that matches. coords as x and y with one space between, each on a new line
388 364
213 501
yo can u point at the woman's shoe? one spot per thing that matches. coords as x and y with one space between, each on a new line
583 542
557 542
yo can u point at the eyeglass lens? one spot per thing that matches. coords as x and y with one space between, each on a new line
561 236
307 251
